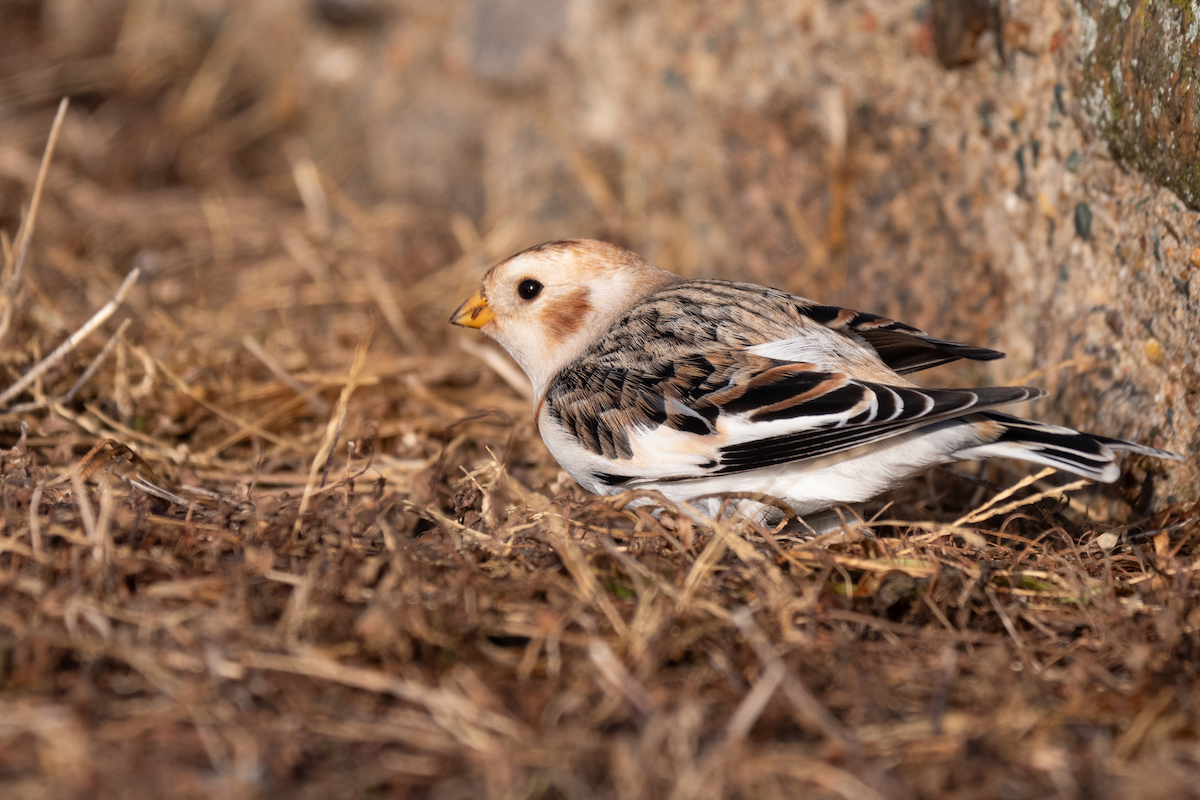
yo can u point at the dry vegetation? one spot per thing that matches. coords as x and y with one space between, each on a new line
270 530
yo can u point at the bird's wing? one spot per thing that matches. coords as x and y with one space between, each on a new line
797 329
710 377
839 414
644 417
902 347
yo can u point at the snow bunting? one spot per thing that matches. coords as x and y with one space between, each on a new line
706 388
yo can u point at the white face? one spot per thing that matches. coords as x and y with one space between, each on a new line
547 304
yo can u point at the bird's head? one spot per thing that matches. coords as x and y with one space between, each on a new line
545 305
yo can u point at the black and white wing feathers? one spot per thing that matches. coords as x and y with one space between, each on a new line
902 347
751 414
686 373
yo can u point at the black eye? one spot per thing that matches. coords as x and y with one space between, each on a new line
529 289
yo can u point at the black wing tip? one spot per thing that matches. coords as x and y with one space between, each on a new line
612 479
968 351
983 354
1142 449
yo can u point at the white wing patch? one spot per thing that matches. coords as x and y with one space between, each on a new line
826 351
658 453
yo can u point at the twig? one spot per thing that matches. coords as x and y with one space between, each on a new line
72 341
83 379
307 257
103 522
977 514
312 194
621 679
315 403
1135 734
752 705
989 509
242 424
85 504
1056 492
259 423
96 362
590 177
333 428
390 308
707 561
809 711
26 232
558 535
1006 620
35 523
451 711
500 365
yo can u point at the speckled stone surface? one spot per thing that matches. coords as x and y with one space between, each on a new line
1140 86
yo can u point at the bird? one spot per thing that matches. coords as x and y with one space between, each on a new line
732 398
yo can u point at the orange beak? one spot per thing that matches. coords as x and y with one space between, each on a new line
475 313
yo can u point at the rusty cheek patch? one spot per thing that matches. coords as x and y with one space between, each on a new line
564 317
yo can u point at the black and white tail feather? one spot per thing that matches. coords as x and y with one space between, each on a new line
1085 454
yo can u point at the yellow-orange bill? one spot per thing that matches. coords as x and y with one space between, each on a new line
475 313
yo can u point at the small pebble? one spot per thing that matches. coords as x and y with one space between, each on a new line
1154 351
1059 105
1083 221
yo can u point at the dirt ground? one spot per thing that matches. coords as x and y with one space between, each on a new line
272 528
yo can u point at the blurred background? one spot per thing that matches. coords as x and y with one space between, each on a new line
288 169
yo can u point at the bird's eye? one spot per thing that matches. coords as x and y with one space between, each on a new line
529 289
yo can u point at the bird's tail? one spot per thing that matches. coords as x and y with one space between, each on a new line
1062 448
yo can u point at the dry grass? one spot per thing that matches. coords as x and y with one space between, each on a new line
272 530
